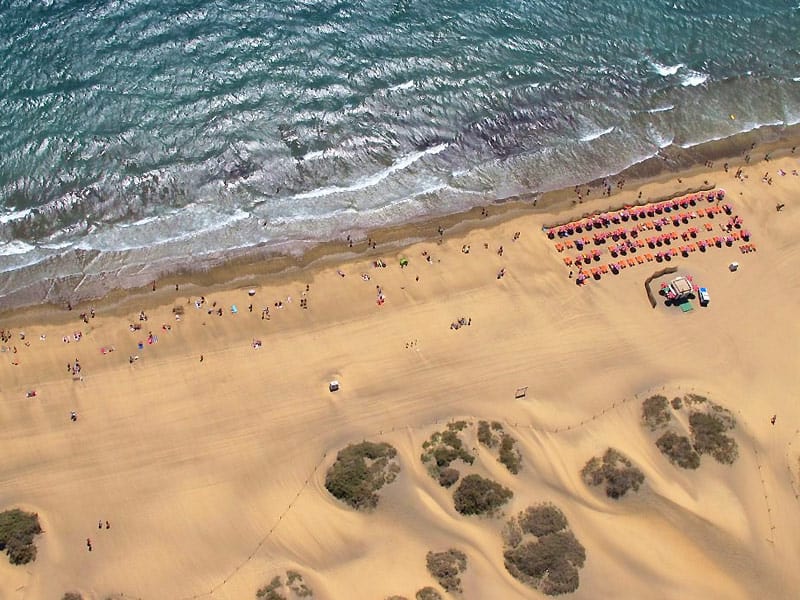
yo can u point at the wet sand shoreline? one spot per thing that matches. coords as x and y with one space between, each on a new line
251 265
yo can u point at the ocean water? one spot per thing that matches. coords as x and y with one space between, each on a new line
140 136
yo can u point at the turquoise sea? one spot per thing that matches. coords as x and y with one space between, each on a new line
138 137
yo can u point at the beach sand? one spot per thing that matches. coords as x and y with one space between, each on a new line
211 473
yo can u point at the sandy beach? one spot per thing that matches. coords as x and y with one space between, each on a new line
204 439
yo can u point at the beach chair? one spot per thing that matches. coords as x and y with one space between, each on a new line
604 269
631 262
569 244
567 261
640 259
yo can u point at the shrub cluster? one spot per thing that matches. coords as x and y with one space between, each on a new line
708 433
550 562
360 471
615 470
707 427
447 567
655 412
277 590
270 591
510 456
17 529
448 476
443 448
493 435
678 449
477 495
71 596
486 435
428 593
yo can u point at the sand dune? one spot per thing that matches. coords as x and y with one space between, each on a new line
212 473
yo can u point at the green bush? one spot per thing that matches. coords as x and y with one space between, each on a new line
447 567
616 470
294 581
542 519
443 448
677 403
690 399
448 476
550 562
477 495
277 590
428 593
17 529
708 433
71 596
678 449
509 455
655 412
485 435
360 471
270 591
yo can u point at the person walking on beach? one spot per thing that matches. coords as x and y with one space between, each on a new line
773 419
89 544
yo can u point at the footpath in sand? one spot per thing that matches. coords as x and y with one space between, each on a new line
211 472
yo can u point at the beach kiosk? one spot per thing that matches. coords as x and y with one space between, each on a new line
679 290
333 386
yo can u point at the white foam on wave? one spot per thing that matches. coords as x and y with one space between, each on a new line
198 222
795 78
15 247
694 78
14 216
596 134
56 245
372 180
748 127
659 109
666 70
314 155
406 85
